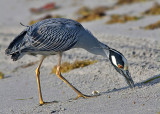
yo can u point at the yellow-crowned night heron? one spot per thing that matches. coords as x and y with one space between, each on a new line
54 36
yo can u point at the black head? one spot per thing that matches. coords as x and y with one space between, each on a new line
121 65
117 59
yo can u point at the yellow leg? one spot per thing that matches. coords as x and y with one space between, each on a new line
38 81
58 72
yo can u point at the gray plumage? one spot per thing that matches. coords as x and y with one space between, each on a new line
50 36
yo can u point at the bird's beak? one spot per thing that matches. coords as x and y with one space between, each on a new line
127 76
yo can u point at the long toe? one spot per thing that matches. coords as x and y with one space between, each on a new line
85 96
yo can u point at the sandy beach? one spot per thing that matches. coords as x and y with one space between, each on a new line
141 47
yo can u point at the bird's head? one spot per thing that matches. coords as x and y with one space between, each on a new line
121 65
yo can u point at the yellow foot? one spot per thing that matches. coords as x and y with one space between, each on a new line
85 96
45 103
41 102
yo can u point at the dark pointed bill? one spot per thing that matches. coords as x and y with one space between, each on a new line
127 76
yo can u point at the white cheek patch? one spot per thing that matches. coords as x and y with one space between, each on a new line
114 60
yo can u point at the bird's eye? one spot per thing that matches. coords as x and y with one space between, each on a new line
120 66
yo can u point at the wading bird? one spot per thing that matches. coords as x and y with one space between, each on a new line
57 35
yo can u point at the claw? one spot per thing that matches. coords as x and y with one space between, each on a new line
85 96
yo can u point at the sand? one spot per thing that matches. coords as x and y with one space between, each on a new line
18 90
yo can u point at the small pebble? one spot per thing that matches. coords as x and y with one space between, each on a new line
53 112
151 67
133 53
95 92
144 53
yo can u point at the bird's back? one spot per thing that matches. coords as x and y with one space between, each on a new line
46 37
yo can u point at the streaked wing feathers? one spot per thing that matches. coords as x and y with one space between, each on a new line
54 37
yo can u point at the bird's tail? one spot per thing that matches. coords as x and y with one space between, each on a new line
14 48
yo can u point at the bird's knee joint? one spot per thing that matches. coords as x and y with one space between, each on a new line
58 70
37 71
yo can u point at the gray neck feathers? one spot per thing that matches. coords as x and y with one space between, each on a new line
105 48
88 42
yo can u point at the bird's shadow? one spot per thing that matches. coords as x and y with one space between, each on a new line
150 81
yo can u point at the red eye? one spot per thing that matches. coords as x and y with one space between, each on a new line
120 66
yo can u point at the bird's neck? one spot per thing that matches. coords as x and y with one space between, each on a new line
92 45
105 48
